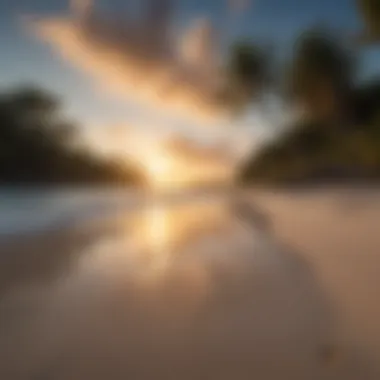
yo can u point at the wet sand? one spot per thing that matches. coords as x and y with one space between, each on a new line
199 292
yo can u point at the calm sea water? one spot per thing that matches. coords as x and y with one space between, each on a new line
26 210
31 210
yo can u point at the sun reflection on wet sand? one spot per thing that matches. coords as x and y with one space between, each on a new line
157 235
161 241
161 231
178 291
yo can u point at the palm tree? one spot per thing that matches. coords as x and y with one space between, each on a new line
36 144
247 74
321 76
370 11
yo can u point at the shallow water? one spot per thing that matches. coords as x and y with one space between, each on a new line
30 210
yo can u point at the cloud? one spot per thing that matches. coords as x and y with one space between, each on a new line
198 44
192 151
81 7
195 163
138 60
239 5
170 159
141 61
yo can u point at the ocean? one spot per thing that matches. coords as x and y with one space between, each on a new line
32 210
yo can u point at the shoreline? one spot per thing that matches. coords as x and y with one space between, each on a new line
307 290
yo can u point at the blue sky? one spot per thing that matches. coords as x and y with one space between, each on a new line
24 59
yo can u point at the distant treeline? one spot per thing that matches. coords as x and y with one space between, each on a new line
336 134
38 145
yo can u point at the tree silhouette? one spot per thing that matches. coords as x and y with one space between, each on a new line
338 134
247 72
321 76
370 12
37 144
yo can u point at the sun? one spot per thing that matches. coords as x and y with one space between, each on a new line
160 167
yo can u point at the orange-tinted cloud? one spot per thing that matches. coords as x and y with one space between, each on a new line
140 60
239 5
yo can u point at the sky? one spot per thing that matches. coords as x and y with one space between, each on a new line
25 58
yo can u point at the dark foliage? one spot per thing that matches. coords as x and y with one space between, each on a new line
321 75
37 144
338 136
370 12
248 72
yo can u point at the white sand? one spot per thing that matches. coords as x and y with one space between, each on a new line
338 232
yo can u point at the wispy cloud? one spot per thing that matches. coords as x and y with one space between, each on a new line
141 60
178 78
239 5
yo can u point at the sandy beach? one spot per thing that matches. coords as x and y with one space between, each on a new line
200 291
